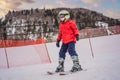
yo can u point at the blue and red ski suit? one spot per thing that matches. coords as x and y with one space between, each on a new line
67 33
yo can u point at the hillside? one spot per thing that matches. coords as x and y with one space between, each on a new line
36 23
84 17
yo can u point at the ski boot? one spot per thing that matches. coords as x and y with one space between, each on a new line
60 67
76 66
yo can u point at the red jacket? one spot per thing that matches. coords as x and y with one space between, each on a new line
67 31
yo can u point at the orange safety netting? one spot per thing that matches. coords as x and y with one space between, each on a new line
14 43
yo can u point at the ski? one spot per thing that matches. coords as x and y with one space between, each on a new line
69 72
52 72
63 73
59 73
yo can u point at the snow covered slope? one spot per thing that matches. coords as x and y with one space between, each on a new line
104 66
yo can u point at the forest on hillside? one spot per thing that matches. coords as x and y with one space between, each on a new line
36 23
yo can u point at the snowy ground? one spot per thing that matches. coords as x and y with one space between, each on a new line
104 66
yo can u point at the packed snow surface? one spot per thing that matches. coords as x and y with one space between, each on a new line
104 66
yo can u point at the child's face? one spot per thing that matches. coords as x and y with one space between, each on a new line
62 17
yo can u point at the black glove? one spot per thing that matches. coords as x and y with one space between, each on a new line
77 37
58 43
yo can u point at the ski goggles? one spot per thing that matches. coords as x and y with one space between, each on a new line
62 15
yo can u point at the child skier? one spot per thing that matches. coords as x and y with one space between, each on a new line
68 33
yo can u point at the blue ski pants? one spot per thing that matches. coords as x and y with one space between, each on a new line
70 47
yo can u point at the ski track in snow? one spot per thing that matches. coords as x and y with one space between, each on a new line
104 66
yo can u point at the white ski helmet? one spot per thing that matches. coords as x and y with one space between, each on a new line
64 15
